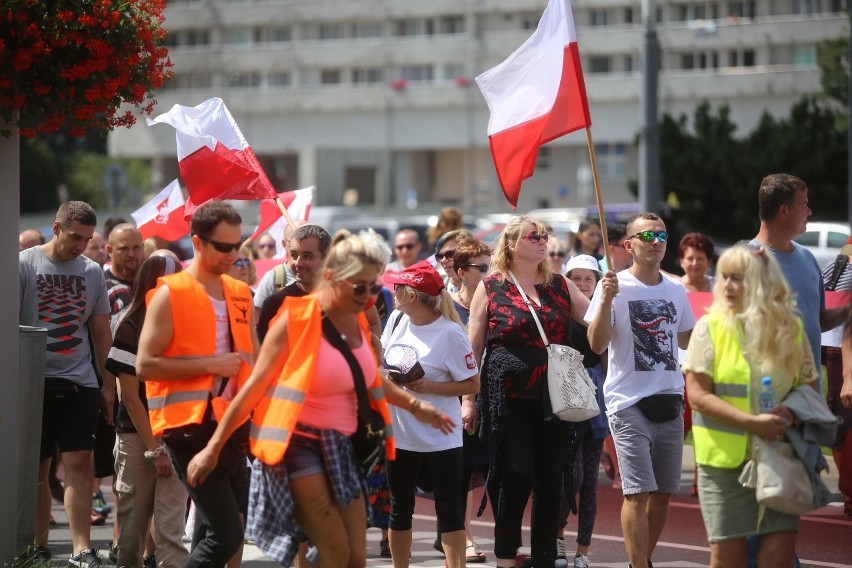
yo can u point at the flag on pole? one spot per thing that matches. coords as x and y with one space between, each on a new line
215 160
298 205
163 215
536 95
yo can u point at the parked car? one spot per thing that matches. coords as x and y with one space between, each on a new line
824 240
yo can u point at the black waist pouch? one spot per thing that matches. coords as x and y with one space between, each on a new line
661 407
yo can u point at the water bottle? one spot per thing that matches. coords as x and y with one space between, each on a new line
767 395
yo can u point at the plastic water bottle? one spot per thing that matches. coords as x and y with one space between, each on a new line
767 395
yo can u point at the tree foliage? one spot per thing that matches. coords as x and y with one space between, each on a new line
832 59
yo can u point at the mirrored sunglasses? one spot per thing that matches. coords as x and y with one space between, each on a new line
649 236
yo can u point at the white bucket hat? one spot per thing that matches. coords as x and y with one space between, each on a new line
583 261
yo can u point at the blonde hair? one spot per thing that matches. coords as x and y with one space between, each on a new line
442 303
247 250
349 254
769 316
502 260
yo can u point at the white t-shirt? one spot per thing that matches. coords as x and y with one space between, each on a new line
643 352
444 351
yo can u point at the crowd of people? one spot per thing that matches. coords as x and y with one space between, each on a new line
303 408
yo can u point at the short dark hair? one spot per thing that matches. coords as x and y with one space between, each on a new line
645 216
616 232
76 211
308 231
777 190
207 217
697 241
587 223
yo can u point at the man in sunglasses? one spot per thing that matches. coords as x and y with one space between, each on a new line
642 317
196 350
307 249
406 248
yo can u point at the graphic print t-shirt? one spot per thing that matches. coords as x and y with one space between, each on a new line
62 296
643 355
119 295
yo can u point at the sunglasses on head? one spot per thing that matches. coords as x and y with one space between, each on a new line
360 289
448 254
241 263
222 247
483 268
406 246
649 236
559 254
535 237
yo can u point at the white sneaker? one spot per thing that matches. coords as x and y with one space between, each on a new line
581 561
561 558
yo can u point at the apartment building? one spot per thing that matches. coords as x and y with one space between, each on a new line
378 95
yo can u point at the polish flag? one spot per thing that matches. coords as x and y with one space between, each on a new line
298 205
536 95
163 215
215 160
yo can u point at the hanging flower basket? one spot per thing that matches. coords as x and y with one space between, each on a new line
72 63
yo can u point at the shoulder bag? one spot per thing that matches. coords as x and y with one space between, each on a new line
779 478
572 392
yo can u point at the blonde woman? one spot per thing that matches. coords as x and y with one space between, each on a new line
750 331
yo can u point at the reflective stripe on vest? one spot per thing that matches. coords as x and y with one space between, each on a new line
160 402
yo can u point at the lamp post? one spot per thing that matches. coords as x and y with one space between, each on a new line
649 146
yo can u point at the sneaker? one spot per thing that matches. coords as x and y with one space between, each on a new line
113 554
581 561
35 556
561 559
86 559
384 548
521 559
149 561
100 505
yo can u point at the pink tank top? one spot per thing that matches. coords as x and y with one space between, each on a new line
331 403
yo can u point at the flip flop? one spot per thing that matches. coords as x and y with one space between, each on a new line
473 555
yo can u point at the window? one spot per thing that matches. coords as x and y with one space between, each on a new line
414 27
416 73
280 79
837 240
237 36
628 63
244 80
598 18
808 239
187 38
330 77
748 58
367 29
745 58
600 64
687 61
745 9
529 21
452 70
804 56
543 159
280 35
628 15
452 25
367 75
612 159
331 31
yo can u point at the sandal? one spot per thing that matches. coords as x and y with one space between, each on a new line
473 555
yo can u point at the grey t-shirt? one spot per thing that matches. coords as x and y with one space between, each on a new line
266 287
62 296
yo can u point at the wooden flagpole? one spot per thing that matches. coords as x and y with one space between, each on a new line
286 214
594 160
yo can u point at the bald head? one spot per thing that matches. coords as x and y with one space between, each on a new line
125 248
30 238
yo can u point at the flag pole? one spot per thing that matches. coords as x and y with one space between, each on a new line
594 160
286 215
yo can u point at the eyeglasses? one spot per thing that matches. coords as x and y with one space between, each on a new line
483 268
534 237
448 254
360 289
406 246
266 246
222 247
649 236
242 263
559 254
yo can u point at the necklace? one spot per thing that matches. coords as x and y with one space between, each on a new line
461 300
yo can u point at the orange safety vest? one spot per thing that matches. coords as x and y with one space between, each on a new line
176 403
276 415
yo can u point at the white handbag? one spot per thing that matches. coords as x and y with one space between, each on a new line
572 392
778 477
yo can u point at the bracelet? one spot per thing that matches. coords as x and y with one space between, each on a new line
415 405
154 454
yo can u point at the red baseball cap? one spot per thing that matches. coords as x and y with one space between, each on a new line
421 276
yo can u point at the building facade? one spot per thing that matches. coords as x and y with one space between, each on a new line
379 95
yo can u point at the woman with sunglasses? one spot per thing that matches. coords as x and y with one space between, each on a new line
307 481
529 445
426 350
445 248
265 246
731 349
243 268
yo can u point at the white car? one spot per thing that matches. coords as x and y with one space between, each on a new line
824 240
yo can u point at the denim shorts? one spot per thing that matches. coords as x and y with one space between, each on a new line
303 457
650 454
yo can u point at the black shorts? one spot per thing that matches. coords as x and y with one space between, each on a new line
68 418
104 446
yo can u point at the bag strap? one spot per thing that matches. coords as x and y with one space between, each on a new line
336 340
839 266
530 307
280 276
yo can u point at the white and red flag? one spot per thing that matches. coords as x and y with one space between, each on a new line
298 205
536 95
215 160
163 215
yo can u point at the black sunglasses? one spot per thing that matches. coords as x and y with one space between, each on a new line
406 246
222 247
534 237
649 236
446 254
557 254
361 289
483 268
